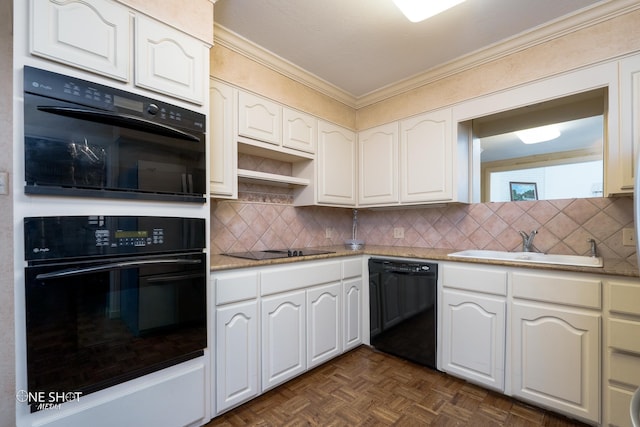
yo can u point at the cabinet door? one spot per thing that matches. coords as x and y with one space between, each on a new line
169 61
336 163
324 326
378 160
299 131
352 313
60 29
426 164
283 338
223 160
473 337
629 121
236 354
259 118
556 358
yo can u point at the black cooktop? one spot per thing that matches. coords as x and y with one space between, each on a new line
277 253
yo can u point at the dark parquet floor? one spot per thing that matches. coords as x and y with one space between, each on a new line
368 388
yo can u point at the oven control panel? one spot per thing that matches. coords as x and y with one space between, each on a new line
86 236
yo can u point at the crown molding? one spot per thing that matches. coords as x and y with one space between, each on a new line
235 42
538 35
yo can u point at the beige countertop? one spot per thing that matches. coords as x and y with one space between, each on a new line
615 267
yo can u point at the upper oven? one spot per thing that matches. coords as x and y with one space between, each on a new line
89 140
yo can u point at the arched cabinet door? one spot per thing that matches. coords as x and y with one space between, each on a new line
473 331
324 311
169 61
284 336
59 29
236 354
426 158
556 358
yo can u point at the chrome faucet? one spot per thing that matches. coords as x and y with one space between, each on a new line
527 240
594 249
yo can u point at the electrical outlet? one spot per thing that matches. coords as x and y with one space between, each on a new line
628 237
4 183
398 233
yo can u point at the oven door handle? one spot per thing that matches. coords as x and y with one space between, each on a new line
122 120
113 266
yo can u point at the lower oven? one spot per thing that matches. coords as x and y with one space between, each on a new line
403 309
109 299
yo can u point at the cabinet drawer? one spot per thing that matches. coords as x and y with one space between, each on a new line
624 368
476 279
625 298
281 279
352 268
558 289
619 401
623 335
238 286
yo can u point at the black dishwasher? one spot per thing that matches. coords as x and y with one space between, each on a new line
403 315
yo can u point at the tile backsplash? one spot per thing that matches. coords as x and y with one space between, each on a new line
563 225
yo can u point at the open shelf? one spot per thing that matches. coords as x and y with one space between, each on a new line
270 151
255 177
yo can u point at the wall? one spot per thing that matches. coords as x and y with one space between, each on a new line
7 356
563 226
605 40
241 71
260 220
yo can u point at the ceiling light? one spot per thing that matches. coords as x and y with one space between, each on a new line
419 10
539 134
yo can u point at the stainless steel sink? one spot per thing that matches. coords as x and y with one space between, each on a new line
531 257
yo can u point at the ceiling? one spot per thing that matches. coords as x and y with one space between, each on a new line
361 46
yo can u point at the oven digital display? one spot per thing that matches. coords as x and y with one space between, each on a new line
127 103
131 234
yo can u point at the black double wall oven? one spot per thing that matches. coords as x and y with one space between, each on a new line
110 298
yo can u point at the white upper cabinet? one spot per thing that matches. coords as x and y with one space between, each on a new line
91 34
426 158
299 130
629 120
413 161
169 61
95 35
336 165
223 157
288 131
259 118
378 161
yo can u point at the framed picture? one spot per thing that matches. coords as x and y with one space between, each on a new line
523 191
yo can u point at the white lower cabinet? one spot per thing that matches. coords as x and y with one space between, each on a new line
236 354
324 306
474 323
532 334
475 327
556 359
274 323
555 342
352 313
622 350
283 338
